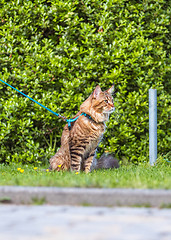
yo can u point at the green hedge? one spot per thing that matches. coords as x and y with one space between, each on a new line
58 51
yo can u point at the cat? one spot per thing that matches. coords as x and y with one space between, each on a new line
80 141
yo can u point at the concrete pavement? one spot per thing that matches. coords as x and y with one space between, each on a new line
85 196
83 223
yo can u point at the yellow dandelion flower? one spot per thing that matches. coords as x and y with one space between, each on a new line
22 170
106 151
77 173
59 165
35 168
19 169
47 170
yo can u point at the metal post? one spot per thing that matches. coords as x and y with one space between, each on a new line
152 125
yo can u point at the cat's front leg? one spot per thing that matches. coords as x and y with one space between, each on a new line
76 159
88 161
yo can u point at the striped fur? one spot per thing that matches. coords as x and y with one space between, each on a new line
78 145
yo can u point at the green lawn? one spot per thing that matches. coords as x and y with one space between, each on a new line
130 176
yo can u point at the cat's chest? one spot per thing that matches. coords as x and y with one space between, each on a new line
87 133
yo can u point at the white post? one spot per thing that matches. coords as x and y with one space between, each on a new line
152 125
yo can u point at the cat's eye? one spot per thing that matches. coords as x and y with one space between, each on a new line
106 101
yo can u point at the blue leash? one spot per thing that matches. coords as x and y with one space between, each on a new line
69 121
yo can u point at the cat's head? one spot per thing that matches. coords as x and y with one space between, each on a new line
99 105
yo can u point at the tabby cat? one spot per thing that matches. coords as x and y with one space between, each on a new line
79 143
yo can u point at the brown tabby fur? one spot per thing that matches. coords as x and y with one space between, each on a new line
79 144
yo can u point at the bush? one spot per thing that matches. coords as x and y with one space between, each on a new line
58 51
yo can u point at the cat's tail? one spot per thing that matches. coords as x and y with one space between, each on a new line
106 161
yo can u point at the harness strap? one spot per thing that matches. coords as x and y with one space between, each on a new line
69 121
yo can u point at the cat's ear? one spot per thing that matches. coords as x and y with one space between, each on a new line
111 89
97 91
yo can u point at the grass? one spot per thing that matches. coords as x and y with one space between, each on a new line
141 176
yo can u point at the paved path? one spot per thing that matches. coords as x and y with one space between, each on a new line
83 223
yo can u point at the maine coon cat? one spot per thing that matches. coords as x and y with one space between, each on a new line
79 143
